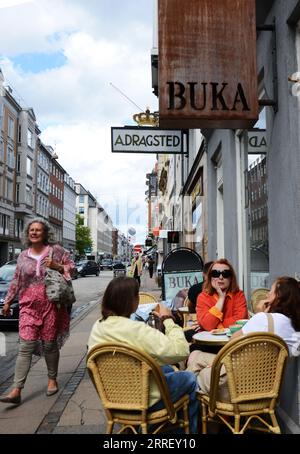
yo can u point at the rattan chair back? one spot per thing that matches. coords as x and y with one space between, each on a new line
254 366
146 298
122 375
257 295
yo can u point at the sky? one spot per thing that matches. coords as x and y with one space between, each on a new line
62 58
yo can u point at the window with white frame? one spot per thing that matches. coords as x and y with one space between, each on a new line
10 158
11 128
28 195
30 138
9 189
29 166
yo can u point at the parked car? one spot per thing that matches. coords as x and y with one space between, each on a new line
86 267
6 274
106 264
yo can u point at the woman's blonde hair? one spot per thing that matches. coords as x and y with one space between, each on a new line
48 232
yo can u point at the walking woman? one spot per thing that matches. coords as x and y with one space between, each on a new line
43 327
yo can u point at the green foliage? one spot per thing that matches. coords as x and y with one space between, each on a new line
83 236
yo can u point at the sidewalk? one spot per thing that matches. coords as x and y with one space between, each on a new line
84 413
76 409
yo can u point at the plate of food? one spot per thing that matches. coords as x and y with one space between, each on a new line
219 331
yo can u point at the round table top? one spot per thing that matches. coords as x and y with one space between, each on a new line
207 338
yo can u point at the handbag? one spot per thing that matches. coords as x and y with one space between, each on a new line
58 290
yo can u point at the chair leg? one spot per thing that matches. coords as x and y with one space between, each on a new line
204 418
186 419
276 428
144 428
237 420
110 426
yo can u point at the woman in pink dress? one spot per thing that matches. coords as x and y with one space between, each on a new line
43 327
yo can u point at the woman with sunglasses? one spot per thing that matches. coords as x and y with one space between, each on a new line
221 302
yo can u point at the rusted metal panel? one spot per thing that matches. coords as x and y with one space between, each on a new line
207 64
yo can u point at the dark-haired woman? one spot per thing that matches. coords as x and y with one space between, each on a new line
221 302
283 303
120 300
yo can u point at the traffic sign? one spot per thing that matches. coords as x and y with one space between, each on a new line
137 248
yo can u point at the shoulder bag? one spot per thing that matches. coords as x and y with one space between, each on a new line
58 290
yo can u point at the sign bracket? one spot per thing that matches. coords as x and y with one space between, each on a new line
271 102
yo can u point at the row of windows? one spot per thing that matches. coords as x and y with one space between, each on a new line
54 171
56 212
262 190
54 190
42 206
260 233
258 172
259 213
6 191
43 161
43 181
5 226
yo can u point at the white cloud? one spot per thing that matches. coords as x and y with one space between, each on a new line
102 42
10 3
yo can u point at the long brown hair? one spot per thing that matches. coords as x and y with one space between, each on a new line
121 297
287 299
233 286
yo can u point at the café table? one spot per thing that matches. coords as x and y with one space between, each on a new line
207 338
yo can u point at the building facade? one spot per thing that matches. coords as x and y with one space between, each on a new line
69 214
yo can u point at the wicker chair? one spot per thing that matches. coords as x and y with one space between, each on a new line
146 298
121 375
257 295
254 365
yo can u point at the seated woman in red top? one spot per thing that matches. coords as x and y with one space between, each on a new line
221 302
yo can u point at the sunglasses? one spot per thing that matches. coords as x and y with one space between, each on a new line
225 273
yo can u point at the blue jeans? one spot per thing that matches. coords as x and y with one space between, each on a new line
180 383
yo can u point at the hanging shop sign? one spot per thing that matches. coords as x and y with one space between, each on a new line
207 64
257 142
146 140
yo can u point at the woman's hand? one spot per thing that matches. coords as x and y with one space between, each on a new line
220 292
50 263
263 306
6 309
162 310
